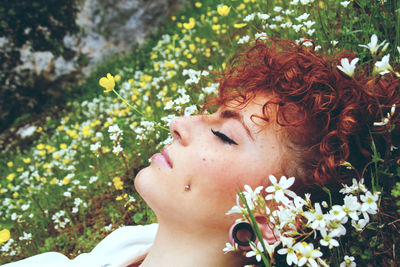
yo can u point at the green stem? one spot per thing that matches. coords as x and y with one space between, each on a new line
329 194
72 224
256 229
136 110
127 103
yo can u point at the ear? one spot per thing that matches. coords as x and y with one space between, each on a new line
241 233
268 230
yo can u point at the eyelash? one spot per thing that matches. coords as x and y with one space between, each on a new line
223 137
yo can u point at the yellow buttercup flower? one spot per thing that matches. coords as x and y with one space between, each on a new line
198 4
147 78
11 176
216 27
4 236
118 183
239 25
108 83
117 78
223 10
190 25
66 180
149 110
10 164
169 64
40 146
241 6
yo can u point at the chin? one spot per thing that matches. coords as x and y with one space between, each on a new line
140 181
146 185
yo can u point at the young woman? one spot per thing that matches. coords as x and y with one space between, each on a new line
283 110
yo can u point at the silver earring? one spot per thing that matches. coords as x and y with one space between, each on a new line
187 187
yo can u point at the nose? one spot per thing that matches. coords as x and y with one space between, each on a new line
181 129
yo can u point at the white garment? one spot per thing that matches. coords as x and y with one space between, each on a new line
122 247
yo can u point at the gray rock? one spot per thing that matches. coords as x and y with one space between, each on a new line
113 26
106 27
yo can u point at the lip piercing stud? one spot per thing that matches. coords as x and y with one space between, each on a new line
187 187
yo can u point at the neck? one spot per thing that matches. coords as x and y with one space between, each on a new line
176 247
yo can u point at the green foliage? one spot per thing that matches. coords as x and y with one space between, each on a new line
58 165
396 190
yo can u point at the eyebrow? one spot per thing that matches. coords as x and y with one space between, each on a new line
232 114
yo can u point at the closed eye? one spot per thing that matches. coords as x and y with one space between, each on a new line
223 137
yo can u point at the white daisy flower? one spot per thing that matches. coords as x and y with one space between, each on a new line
348 67
280 189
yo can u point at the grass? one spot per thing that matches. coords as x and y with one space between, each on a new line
64 189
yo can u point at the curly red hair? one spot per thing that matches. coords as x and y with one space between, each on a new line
327 115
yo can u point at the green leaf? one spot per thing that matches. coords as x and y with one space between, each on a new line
367 254
138 217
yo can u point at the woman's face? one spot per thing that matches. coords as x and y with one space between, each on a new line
215 155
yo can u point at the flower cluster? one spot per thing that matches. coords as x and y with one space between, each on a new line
116 137
301 229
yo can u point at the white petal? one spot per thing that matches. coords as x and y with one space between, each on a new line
344 62
289 182
272 179
247 188
354 61
233 210
334 243
258 190
269 197
270 189
374 40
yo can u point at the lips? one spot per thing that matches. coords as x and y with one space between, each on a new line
166 156
162 158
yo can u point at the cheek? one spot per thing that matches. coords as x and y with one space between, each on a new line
223 181
222 171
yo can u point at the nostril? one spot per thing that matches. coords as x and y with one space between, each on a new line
178 129
176 134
